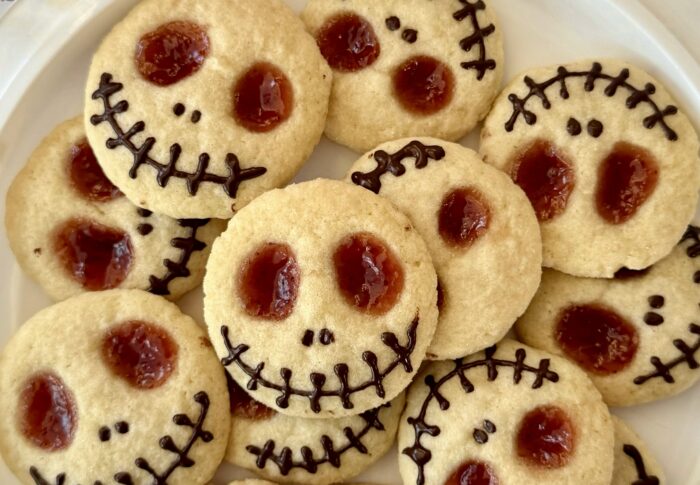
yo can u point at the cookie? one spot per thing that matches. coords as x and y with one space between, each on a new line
251 481
479 227
194 109
321 299
406 67
73 231
634 464
116 386
510 414
607 159
637 335
310 451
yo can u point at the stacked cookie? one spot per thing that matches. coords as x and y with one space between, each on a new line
344 313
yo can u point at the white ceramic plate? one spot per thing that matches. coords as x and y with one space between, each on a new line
48 88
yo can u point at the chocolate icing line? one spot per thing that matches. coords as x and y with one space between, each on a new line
332 456
178 269
164 172
692 233
663 369
393 163
418 452
636 456
635 97
318 380
477 38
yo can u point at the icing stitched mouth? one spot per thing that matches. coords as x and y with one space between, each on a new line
318 380
477 38
164 171
663 369
643 477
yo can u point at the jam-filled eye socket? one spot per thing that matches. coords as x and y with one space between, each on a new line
546 437
423 85
369 274
244 406
348 42
262 98
464 217
171 52
87 176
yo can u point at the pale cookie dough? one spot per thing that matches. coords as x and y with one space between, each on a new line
168 256
179 149
464 36
657 356
326 353
634 464
488 277
478 417
116 386
309 451
584 110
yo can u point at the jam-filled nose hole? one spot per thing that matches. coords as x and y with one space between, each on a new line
546 437
171 52
263 98
348 42
423 85
268 282
369 274
464 217
473 472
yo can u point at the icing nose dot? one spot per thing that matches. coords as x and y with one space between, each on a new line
262 98
546 437
348 43
171 52
142 354
87 176
473 472
47 410
464 217
423 85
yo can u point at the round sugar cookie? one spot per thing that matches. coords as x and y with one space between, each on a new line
634 464
195 108
311 451
480 229
116 386
407 67
607 159
321 299
73 231
510 414
636 335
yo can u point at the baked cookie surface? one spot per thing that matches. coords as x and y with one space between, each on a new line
73 231
406 67
481 231
313 451
511 414
320 299
194 109
636 335
634 464
116 386
607 159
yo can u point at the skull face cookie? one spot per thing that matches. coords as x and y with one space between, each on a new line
195 108
636 335
634 464
511 414
405 67
116 386
72 230
479 227
310 451
608 161
321 299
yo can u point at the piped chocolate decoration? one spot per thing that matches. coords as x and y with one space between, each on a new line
656 301
636 96
196 116
308 339
393 23
595 128
144 212
179 109
122 427
625 273
332 454
421 455
318 380
653 319
477 38
178 269
663 370
144 229
105 434
164 172
40 480
393 163
692 234
481 436
573 127
643 477
410 35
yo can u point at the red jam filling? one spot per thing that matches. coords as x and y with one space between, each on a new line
47 412
369 275
269 282
546 178
96 256
423 85
348 43
473 473
546 437
244 406
626 179
171 52
464 217
87 175
262 98
597 338
142 354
